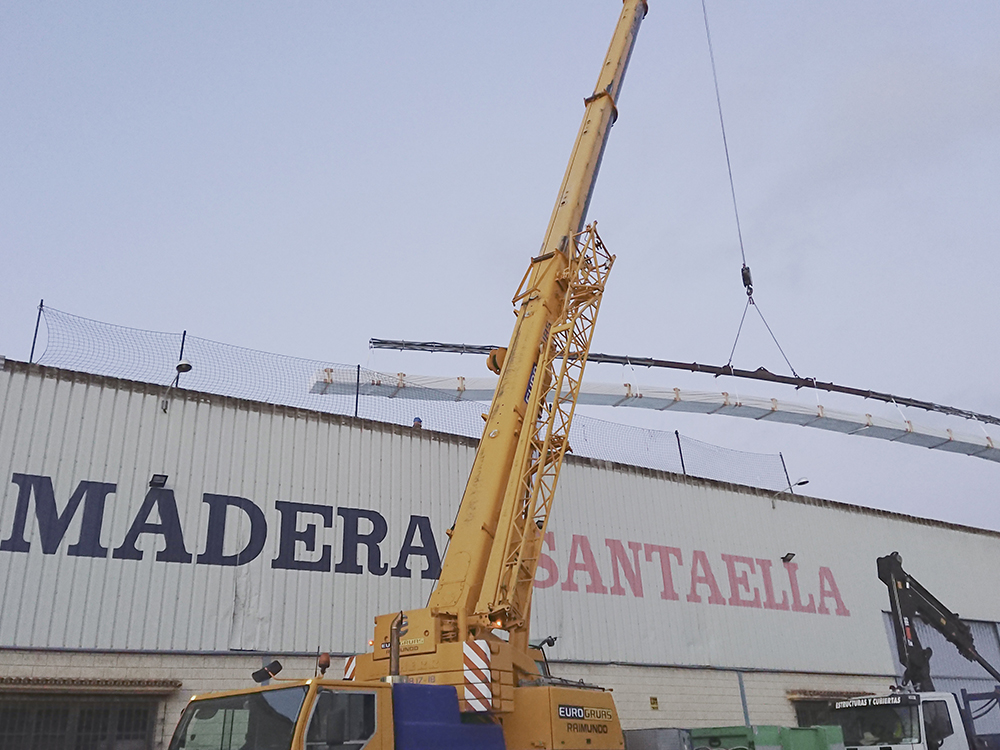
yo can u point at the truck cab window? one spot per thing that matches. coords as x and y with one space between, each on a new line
865 725
937 723
263 720
341 721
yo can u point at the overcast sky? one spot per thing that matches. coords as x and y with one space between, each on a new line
300 177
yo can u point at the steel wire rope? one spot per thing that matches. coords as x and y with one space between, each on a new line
738 331
745 270
773 337
722 125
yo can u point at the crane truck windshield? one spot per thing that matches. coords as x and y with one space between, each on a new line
889 720
262 720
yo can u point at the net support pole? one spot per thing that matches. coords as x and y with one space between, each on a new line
680 452
177 380
34 339
357 391
785 469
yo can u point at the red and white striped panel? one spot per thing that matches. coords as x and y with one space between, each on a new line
478 690
349 667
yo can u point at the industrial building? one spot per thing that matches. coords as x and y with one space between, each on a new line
153 547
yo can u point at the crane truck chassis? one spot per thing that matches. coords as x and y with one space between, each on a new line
460 672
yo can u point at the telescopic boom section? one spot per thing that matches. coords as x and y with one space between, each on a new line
487 576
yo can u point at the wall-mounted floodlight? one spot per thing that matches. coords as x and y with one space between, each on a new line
787 557
158 480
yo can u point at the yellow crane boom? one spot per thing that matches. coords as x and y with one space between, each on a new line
486 578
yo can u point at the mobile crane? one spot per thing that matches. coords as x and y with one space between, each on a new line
460 672
916 716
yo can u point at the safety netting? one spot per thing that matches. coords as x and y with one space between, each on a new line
90 346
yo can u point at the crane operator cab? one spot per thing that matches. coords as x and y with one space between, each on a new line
314 714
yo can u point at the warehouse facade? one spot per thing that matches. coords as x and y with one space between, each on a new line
152 548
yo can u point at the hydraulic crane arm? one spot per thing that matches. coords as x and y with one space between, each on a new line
908 599
486 579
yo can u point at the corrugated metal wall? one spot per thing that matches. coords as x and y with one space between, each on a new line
730 532
74 429
643 567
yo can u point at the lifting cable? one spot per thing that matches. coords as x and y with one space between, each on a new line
745 270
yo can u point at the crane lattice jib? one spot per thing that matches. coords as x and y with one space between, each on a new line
556 387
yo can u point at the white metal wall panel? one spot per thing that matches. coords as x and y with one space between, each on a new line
634 505
74 428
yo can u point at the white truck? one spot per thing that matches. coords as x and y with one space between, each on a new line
916 716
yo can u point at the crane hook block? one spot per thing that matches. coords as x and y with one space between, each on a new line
494 360
747 280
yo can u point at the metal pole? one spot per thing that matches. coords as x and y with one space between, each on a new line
177 380
743 699
31 357
357 391
787 478
680 452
